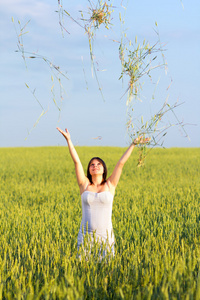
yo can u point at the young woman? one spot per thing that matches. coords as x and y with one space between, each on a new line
97 193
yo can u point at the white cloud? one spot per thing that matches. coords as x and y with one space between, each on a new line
38 11
42 13
24 8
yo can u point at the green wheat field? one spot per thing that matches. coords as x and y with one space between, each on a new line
156 221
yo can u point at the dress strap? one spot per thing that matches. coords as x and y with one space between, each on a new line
86 187
108 186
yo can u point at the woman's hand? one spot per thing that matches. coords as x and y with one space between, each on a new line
141 140
65 133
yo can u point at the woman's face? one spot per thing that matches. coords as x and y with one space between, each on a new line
96 167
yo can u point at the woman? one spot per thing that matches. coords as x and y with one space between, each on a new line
97 194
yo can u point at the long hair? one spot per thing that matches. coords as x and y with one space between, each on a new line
104 169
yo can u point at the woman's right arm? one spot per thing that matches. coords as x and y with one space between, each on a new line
80 175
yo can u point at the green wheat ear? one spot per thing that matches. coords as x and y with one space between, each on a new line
155 220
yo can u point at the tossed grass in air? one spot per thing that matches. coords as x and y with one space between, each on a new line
55 70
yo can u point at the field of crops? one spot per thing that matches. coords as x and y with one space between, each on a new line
156 220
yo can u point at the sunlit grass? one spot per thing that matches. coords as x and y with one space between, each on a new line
156 217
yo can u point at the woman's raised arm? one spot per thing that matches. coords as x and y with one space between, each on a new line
80 175
114 178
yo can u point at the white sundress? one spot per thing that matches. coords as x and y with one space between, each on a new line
97 218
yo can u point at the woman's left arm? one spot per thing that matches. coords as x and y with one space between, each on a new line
114 178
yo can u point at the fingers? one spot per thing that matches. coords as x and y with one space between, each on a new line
64 133
60 130
141 140
145 141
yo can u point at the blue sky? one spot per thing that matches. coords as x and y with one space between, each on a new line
83 111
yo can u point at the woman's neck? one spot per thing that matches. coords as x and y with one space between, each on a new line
97 180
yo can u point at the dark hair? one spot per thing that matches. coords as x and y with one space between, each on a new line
104 169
